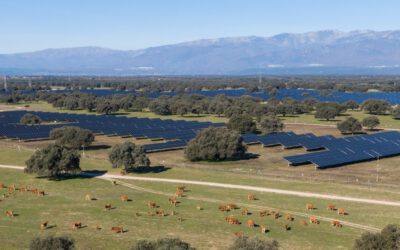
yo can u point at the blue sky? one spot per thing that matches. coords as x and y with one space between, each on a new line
28 25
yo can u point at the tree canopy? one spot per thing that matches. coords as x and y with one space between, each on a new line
376 107
242 123
215 144
326 112
253 243
54 161
387 239
162 244
370 122
30 119
350 125
72 137
271 124
128 155
52 243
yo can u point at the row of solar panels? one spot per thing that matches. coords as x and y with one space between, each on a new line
297 94
108 125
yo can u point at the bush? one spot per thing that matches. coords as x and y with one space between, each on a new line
396 112
271 124
30 119
253 243
215 144
72 137
52 243
162 244
370 122
387 239
242 124
128 155
350 125
54 161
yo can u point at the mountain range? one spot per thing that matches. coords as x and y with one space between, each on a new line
320 52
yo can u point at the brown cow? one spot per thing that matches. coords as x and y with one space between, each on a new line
263 213
181 188
172 200
232 220
118 230
264 229
336 223
108 206
9 213
251 197
276 215
287 227
88 197
251 223
98 227
289 217
160 212
77 225
35 191
151 204
2 185
331 207
41 193
232 206
310 206
244 211
223 208
44 225
314 220
179 193
124 198
341 211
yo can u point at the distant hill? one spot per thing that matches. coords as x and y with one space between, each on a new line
321 52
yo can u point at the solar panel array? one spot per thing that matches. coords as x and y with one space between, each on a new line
297 94
177 132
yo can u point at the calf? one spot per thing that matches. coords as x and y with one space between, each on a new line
244 211
88 197
264 229
263 213
289 217
108 206
9 213
287 227
117 229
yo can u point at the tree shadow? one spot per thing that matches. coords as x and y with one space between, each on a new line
98 147
146 170
89 174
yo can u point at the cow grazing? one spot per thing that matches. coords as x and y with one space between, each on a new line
276 215
264 229
98 227
310 206
108 206
232 220
341 211
160 212
9 213
314 220
223 208
44 225
41 193
151 204
179 193
77 225
117 229
124 198
181 188
251 197
35 191
172 200
232 206
2 185
251 223
331 207
289 217
286 227
336 223
199 208
263 213
173 213
244 211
